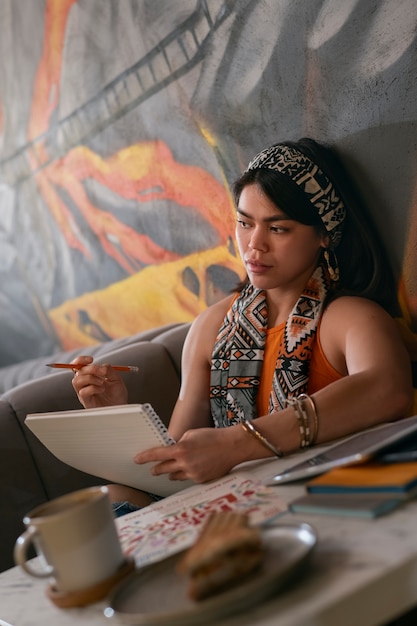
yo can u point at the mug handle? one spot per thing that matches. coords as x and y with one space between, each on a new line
21 558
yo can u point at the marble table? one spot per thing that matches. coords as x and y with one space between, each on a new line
362 572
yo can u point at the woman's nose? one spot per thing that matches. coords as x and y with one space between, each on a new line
258 240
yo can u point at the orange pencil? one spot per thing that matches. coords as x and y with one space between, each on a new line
77 366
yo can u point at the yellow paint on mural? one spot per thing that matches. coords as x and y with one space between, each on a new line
155 296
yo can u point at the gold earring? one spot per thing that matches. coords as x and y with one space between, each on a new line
332 264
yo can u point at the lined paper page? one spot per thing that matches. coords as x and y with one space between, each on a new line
104 441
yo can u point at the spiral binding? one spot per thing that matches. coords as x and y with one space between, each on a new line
158 423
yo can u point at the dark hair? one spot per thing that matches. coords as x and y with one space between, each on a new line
364 265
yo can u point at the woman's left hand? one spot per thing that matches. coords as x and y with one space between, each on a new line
202 454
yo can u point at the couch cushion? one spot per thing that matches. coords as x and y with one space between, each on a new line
19 373
173 340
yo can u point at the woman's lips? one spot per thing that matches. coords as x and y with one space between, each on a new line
255 267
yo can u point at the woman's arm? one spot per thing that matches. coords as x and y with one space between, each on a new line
359 339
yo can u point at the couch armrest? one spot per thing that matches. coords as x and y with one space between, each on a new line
21 487
157 382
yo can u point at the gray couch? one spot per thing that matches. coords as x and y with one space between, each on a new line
29 474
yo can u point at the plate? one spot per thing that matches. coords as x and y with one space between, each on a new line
157 595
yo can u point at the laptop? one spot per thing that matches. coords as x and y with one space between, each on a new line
395 441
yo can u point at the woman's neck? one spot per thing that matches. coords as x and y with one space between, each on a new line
279 307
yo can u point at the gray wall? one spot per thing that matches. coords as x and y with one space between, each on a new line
123 123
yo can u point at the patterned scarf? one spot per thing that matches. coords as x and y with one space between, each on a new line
238 352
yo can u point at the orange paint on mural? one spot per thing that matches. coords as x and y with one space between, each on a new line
408 291
145 160
130 249
147 171
61 214
144 172
48 76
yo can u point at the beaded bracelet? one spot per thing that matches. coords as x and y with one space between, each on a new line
303 397
250 428
302 419
307 438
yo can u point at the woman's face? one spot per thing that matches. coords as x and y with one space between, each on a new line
278 252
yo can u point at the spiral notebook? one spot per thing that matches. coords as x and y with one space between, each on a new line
103 442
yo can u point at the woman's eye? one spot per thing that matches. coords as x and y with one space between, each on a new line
242 223
277 229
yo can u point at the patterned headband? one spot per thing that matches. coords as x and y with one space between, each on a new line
310 178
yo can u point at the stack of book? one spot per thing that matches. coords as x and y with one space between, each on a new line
367 490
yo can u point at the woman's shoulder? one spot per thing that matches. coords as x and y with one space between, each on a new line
208 322
351 324
215 312
347 312
345 306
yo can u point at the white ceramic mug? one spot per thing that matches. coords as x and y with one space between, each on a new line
75 535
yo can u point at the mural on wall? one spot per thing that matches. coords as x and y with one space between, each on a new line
122 125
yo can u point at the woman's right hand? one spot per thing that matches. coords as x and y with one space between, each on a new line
98 385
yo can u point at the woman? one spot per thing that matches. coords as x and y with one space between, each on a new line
307 346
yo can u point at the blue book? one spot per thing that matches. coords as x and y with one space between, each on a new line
345 505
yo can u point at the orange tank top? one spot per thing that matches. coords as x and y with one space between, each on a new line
322 373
